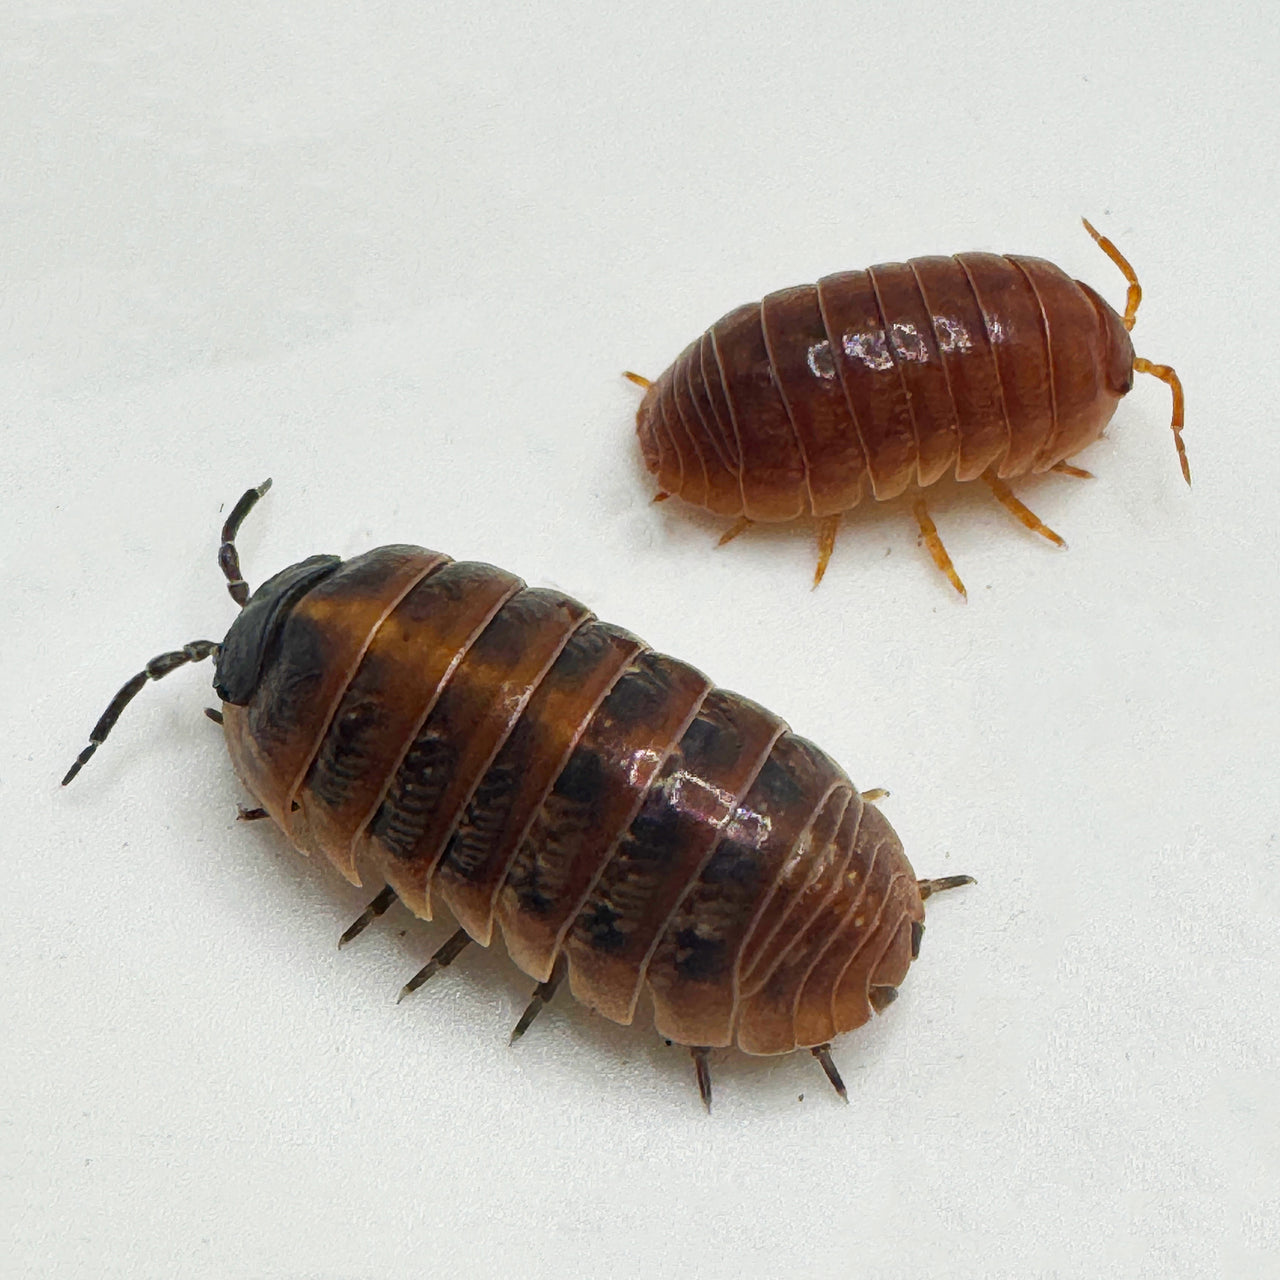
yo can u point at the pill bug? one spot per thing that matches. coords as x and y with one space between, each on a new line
978 366
496 749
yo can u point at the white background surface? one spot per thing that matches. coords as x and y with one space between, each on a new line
396 259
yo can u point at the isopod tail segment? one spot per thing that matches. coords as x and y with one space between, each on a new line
879 997
1141 365
195 651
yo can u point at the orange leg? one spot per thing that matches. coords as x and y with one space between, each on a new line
929 531
661 496
1068 470
1167 375
827 527
1005 498
639 379
741 525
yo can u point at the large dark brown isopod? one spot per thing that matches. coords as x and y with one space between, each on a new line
494 748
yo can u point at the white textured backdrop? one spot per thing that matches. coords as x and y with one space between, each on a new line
396 256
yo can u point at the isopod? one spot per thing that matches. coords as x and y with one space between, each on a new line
493 748
977 365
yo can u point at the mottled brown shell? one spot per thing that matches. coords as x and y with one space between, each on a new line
886 379
496 748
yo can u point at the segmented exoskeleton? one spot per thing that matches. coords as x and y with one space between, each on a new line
496 749
887 380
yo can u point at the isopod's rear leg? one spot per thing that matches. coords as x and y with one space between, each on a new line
827 527
702 1068
929 531
823 1054
1068 470
1023 514
542 995
442 959
376 908
740 525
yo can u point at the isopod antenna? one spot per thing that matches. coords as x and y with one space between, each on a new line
1161 371
196 651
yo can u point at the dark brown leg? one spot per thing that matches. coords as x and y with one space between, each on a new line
823 1054
702 1066
250 815
214 714
368 915
442 959
542 994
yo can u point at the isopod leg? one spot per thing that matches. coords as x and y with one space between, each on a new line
214 714
368 915
156 669
741 525
823 1054
928 888
876 793
442 959
1023 514
542 994
827 527
702 1066
1068 470
929 531
638 378
250 815
1171 380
